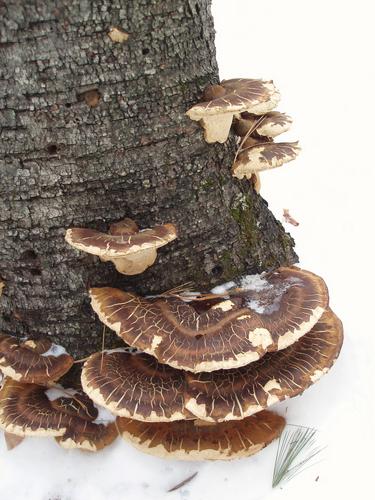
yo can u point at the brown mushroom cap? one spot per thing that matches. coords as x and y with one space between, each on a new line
263 156
286 305
95 427
241 94
236 394
135 386
183 440
138 387
274 124
131 252
25 410
35 361
33 410
271 124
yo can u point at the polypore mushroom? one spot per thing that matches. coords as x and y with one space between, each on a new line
131 250
229 98
33 410
231 334
236 394
138 387
35 361
254 158
183 440
271 124
135 386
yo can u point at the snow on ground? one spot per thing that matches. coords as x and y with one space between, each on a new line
319 55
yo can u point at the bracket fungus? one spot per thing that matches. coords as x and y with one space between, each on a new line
268 125
135 386
231 334
184 440
34 361
138 387
254 158
236 394
131 250
67 415
230 98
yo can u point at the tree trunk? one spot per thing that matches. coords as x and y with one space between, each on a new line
71 160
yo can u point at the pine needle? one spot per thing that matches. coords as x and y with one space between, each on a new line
294 453
103 344
182 483
247 135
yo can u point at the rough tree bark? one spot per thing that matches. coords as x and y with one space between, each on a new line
136 154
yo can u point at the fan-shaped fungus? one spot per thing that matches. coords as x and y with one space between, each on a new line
35 361
237 95
184 440
256 157
231 334
33 410
138 387
131 250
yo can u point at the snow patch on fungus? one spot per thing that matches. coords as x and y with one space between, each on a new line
55 351
104 417
221 289
57 392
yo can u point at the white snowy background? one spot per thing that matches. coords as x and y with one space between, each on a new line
321 56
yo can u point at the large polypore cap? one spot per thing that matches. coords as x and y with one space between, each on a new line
138 387
34 361
239 95
184 440
131 251
69 416
271 314
235 394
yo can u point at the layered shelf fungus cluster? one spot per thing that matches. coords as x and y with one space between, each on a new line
207 367
198 371
246 105
32 403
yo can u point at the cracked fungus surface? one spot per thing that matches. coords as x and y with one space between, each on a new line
33 361
138 387
226 336
69 416
184 440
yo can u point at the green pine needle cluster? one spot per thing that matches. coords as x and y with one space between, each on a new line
294 453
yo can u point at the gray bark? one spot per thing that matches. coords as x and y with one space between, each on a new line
64 163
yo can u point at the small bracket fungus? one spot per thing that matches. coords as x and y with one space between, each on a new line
34 361
138 387
271 124
231 334
118 35
228 99
131 250
69 416
257 157
183 440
